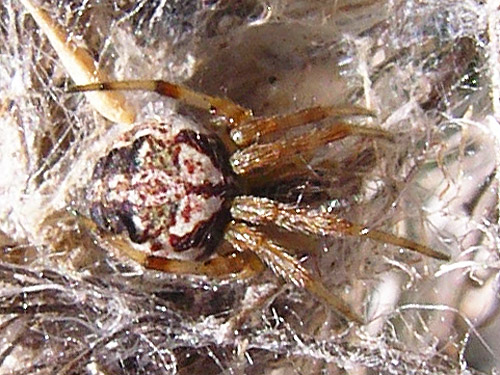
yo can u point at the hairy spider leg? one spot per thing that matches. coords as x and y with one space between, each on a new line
249 239
279 153
252 130
316 222
244 128
253 251
230 111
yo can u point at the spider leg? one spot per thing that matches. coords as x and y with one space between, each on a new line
241 264
245 238
279 153
250 131
316 222
232 112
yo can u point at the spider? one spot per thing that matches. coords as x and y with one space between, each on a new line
173 195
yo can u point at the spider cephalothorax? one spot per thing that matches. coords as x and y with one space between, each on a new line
169 185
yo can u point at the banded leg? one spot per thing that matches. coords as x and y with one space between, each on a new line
232 112
277 154
316 222
250 131
239 264
244 127
244 239
242 265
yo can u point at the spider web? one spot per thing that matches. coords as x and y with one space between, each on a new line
428 68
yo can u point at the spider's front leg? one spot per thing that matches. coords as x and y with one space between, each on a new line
278 154
232 112
246 129
250 239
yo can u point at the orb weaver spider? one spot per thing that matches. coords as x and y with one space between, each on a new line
171 186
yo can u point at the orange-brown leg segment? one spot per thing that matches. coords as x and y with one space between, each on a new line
245 238
316 222
278 153
250 131
239 264
232 112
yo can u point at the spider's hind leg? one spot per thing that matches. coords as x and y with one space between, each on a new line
249 239
316 222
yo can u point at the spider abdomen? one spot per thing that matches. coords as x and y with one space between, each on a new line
163 183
